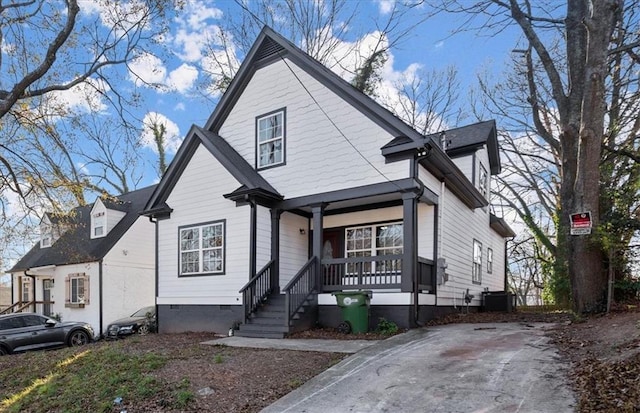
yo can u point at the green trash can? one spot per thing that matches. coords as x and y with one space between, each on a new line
355 310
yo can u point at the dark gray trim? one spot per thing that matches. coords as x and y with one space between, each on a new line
436 222
317 211
275 246
367 207
224 249
409 241
231 160
253 241
284 139
382 188
332 81
500 226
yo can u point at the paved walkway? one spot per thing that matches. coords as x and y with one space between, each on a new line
329 346
503 367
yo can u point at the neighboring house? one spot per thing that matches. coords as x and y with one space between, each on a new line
5 297
95 264
299 186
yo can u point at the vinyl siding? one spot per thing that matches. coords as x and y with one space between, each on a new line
294 246
198 198
364 217
320 155
263 243
128 273
426 216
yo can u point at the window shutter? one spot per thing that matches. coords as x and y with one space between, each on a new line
67 289
87 292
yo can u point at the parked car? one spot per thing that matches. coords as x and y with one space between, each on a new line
29 331
142 322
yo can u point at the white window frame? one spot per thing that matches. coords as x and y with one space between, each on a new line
77 298
483 182
98 220
26 289
489 260
267 135
46 235
476 272
198 249
372 249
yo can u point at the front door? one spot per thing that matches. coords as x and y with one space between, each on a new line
47 286
332 248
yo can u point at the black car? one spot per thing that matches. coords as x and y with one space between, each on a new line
141 322
29 331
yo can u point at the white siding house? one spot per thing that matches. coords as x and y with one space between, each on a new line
319 189
98 267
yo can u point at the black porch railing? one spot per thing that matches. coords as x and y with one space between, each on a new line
379 272
301 287
257 289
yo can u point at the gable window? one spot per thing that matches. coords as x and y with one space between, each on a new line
98 224
270 133
489 260
46 235
476 276
375 240
202 249
483 183
76 290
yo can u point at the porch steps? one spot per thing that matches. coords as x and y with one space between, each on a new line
269 320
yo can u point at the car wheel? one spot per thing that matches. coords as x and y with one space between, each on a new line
143 330
3 351
78 338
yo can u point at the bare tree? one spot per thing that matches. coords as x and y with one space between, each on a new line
565 68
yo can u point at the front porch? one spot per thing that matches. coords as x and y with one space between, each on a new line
273 314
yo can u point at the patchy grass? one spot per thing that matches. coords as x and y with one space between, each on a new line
78 380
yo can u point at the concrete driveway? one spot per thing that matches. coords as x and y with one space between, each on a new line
502 367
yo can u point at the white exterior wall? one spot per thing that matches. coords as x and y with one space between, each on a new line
197 198
495 280
128 273
263 242
318 157
426 231
465 164
294 246
113 217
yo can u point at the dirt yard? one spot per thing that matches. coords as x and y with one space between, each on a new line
604 351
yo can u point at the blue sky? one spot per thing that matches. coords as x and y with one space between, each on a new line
431 45
178 98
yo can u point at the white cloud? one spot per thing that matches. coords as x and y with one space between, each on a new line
173 139
183 78
195 30
385 6
119 15
180 106
148 69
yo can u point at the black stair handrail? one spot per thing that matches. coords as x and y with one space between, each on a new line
300 288
255 292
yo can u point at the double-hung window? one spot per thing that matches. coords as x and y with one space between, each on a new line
270 135
76 290
477 262
483 182
202 249
375 240
98 224
489 260
26 289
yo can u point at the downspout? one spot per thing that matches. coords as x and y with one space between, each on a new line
506 269
100 296
33 277
415 164
155 271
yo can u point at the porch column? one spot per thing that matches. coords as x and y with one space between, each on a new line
409 240
253 238
318 215
275 248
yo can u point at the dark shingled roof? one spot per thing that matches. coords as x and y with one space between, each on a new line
75 245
